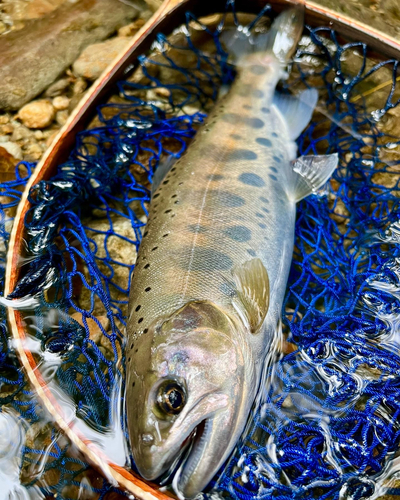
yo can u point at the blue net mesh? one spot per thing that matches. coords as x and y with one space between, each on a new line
328 418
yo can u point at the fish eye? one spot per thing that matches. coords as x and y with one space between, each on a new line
171 398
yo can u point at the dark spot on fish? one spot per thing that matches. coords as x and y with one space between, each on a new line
273 169
258 69
174 196
258 93
265 210
264 200
227 289
236 137
241 154
205 259
156 196
251 179
263 226
132 346
145 330
197 228
147 266
216 177
274 134
238 233
154 248
264 142
147 289
168 211
245 90
133 383
235 118
165 235
261 216
254 122
251 252
265 110
277 159
166 182
227 199
231 118
138 308
176 202
273 177
140 320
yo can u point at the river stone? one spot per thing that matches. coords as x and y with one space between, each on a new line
95 58
32 58
37 114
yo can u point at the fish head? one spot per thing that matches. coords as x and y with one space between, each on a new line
187 398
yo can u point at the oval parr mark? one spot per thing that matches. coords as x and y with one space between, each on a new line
228 289
205 259
251 252
251 179
227 199
258 69
241 154
237 137
235 118
265 110
273 177
263 199
273 169
263 141
238 233
274 134
277 159
258 93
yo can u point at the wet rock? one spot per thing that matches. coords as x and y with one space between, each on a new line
61 102
6 129
7 165
95 58
95 332
28 65
79 86
12 148
37 114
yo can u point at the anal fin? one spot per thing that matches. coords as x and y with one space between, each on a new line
252 299
311 172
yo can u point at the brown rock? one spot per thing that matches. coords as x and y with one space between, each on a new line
95 332
37 114
95 58
62 117
60 102
31 59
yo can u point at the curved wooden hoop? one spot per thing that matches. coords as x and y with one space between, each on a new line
169 16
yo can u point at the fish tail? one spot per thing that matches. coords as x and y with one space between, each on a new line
280 41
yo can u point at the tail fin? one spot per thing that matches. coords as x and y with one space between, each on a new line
281 39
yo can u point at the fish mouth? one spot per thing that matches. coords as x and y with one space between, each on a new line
192 451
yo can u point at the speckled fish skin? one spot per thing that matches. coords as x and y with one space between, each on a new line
226 204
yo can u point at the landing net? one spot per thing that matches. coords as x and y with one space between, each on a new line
328 421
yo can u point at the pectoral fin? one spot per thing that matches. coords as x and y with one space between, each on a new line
252 299
311 173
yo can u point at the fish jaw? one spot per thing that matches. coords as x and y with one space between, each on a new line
211 445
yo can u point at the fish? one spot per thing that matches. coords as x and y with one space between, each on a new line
212 267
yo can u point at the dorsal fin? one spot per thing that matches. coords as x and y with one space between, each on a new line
252 299
312 172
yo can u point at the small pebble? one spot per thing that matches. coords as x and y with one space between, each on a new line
38 134
62 117
60 102
57 87
37 114
79 86
4 119
21 132
33 152
132 28
6 129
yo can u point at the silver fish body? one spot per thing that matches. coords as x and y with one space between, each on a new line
209 282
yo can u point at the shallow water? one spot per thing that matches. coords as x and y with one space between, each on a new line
335 358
